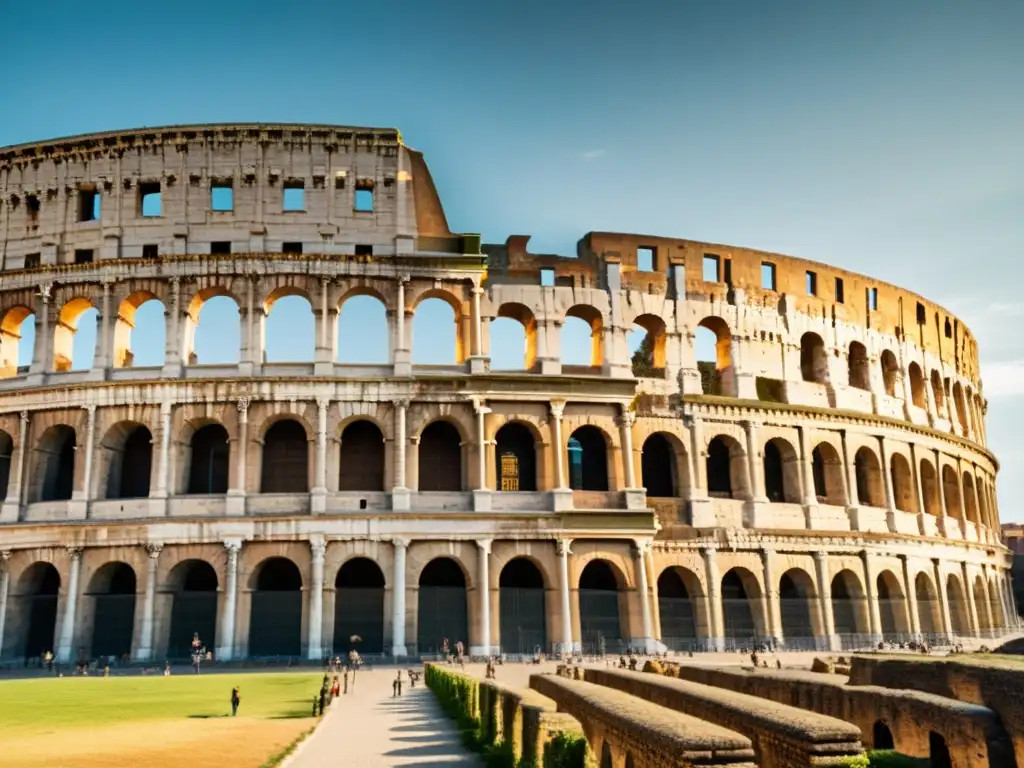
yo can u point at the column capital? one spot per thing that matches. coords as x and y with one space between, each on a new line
711 550
74 554
480 406
485 545
44 291
318 548
154 549
557 409
401 402
233 546
564 547
750 424
24 417
642 546
5 556
821 555
767 551
90 409
399 543
242 404
626 419
323 403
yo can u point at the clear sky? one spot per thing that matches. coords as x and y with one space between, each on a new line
883 137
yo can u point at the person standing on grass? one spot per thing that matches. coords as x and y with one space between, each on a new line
236 699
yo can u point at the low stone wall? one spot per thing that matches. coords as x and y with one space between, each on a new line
990 681
783 736
973 734
642 734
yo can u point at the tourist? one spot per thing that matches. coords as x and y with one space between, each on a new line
335 688
236 699
167 669
396 686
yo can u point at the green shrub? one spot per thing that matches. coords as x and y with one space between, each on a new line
567 750
889 758
459 697
499 755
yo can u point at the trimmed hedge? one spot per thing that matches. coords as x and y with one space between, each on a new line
459 696
567 750
888 758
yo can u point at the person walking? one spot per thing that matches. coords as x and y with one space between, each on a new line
335 688
396 686
236 699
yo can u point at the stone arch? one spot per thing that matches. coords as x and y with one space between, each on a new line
781 471
521 607
37 592
859 367
285 459
594 320
654 346
981 604
995 603
515 456
363 316
813 358
359 607
55 463
440 457
588 456
797 607
275 623
958 612
202 302
890 372
849 607
717 376
961 407
903 490
6 454
443 607
208 458
128 458
970 499
288 326
938 393
827 471
741 601
938 751
65 328
112 588
881 736
929 610
918 396
892 605
11 332
726 468
951 493
870 490
193 586
123 352
601 598
456 305
524 316
606 755
361 457
929 488
679 590
663 465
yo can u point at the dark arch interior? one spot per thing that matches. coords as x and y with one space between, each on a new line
208 473
128 477
774 481
588 460
359 607
442 606
794 609
887 606
113 594
521 603
40 587
881 736
515 458
718 470
678 629
275 626
440 456
362 457
739 618
6 450
844 606
193 607
59 465
285 459
818 471
658 467
606 756
601 630
938 751
864 465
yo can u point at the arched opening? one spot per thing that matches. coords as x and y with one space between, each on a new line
740 594
929 488
130 460
440 457
860 370
513 338
658 467
515 458
938 394
917 391
891 607
970 499
285 467
38 589
209 461
112 590
582 337
676 608
881 736
436 339
275 623
17 340
995 604
813 358
629 761
606 756
193 608
961 408
890 373
220 339
139 332
362 457
57 463
869 478
647 342
442 607
6 451
827 471
951 493
361 333
359 607
981 603
929 610
848 605
600 629
713 350
796 599
726 471
521 607
588 460
74 351
781 471
289 328
903 484
938 752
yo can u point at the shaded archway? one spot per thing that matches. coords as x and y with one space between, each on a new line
515 458
890 373
860 371
848 607
827 472
929 610
141 311
130 461
677 608
781 471
951 493
193 586
6 451
112 589
958 614
285 467
741 594
658 467
359 607
513 336
903 484
918 395
521 608
275 622
938 394
38 591
961 407
981 605
970 499
440 457
216 312
726 468
588 459
362 457
796 603
813 359
713 348
881 736
929 488
938 751
869 478
600 628
650 358
590 322
442 605
57 463
209 460
437 338
892 609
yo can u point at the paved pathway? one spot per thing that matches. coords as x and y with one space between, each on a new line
369 729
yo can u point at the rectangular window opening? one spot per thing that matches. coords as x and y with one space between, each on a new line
32 206
922 316
812 283
872 299
294 196
364 197
33 260
150 251
83 256
768 276
840 298
727 272
547 277
364 250
291 247
645 259
710 273
222 196
150 199
88 205
339 180
220 247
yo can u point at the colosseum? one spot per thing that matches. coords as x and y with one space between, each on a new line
794 453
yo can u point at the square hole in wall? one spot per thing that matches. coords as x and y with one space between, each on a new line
83 255
150 251
220 247
645 259
364 250
364 197
547 277
222 196
291 247
150 199
294 196
811 279
89 204
711 273
840 297
768 276
33 260
872 299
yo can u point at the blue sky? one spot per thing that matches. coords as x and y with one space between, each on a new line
882 137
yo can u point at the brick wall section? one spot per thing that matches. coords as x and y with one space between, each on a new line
783 736
653 736
972 733
983 680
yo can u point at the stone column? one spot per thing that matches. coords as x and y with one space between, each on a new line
771 596
398 649
807 460
652 581
477 337
400 495
911 592
42 353
717 639
852 496
164 466
874 609
562 493
65 645
401 358
757 491
11 511
324 358
236 494
564 551
145 650
647 641
972 608
626 421
226 636
172 331
482 494
316 599
916 474
318 495
890 496
484 590
5 579
85 493
825 599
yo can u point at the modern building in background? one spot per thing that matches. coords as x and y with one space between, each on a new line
821 479
1013 538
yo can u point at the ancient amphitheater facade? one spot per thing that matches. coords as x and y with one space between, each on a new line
823 481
